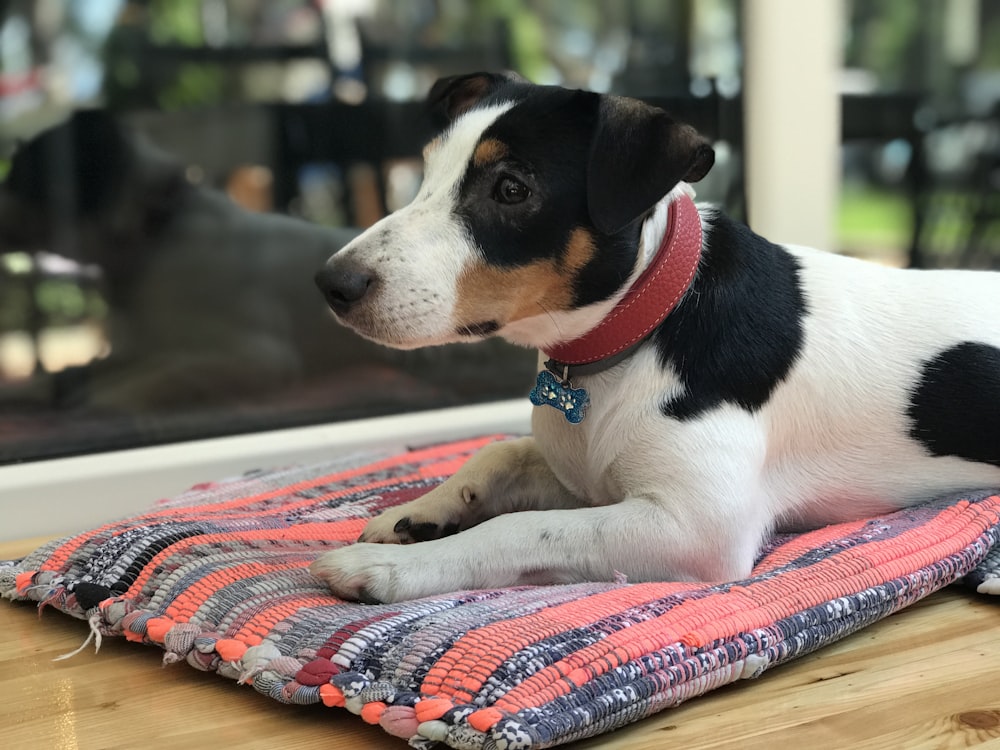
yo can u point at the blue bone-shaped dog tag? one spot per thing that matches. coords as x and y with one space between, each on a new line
572 402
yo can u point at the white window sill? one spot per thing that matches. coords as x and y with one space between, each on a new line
68 495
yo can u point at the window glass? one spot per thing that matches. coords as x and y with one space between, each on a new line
922 133
174 172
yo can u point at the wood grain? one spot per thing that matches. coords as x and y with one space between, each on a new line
928 677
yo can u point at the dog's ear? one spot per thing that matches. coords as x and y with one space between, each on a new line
75 168
452 96
91 168
638 153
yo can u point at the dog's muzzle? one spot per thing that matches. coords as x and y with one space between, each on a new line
344 285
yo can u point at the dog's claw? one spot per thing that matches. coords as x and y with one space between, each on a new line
366 598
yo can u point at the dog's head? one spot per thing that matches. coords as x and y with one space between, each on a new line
89 190
528 216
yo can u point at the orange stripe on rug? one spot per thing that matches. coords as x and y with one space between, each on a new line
461 671
701 621
451 456
338 531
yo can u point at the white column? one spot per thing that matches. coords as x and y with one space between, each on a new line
793 52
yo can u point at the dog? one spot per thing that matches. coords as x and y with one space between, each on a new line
210 305
699 385
197 287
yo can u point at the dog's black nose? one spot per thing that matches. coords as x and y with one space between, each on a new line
343 285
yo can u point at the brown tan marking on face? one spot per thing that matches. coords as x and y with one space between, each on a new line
431 147
579 250
506 295
489 151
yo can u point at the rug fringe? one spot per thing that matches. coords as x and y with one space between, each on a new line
95 633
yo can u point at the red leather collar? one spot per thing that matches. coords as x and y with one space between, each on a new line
648 301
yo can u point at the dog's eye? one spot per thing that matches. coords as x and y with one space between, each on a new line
509 190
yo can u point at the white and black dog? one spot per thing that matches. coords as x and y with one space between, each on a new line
709 385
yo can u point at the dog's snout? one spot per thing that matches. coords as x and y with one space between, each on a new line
343 285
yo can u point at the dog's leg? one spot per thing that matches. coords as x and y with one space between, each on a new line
643 539
502 477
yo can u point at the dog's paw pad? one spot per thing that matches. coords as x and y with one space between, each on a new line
406 530
424 531
416 531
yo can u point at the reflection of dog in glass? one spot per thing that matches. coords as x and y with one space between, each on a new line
210 303
709 385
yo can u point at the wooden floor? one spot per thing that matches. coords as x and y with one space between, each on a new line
928 677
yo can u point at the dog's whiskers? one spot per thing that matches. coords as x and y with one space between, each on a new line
555 322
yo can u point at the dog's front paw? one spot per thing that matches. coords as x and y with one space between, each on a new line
370 573
441 512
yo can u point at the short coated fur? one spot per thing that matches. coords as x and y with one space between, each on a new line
790 388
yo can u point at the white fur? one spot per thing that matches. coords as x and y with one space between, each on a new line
419 251
631 492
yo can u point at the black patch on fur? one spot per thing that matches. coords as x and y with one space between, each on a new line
955 407
479 329
739 329
547 136
452 96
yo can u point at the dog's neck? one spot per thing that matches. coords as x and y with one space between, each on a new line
669 253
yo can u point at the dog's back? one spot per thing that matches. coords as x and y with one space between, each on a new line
897 394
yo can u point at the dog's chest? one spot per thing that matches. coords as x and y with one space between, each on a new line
566 448
622 420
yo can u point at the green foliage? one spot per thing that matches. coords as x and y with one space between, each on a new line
874 222
991 46
176 22
882 39
52 302
60 300
192 86
15 304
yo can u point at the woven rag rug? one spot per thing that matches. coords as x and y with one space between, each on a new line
218 577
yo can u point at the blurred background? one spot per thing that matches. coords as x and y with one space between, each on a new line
173 171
